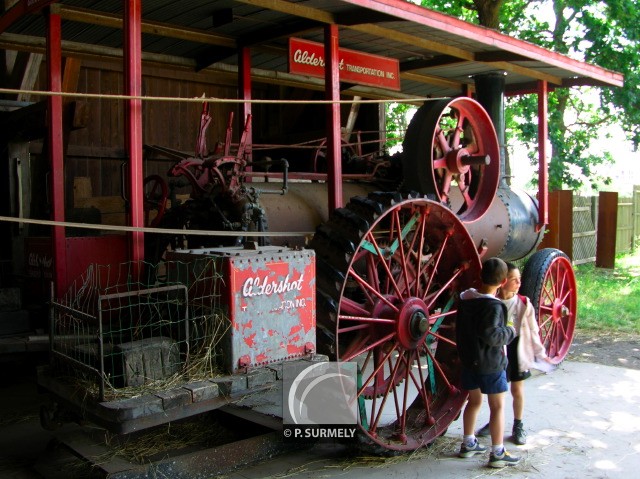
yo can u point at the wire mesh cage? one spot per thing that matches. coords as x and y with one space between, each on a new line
584 229
118 331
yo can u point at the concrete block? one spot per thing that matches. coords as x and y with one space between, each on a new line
148 360
260 377
174 398
230 385
202 390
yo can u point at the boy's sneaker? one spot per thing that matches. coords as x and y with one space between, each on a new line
470 451
484 431
519 434
502 460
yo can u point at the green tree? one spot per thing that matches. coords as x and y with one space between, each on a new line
604 33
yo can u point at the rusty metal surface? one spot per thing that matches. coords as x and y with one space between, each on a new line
271 303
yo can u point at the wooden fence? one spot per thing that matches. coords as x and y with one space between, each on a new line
585 225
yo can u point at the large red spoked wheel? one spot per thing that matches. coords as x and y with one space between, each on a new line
549 281
389 270
451 150
156 193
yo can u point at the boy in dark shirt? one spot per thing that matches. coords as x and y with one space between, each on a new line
482 334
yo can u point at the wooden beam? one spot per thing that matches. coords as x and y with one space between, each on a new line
409 39
95 17
528 72
294 9
369 28
71 75
421 63
432 80
30 75
98 53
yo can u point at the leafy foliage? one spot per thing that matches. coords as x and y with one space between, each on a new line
397 119
604 33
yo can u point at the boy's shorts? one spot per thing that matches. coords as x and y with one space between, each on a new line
493 383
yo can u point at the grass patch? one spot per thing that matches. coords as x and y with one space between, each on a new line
609 300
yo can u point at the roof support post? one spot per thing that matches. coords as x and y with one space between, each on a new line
244 85
543 174
133 123
332 94
55 141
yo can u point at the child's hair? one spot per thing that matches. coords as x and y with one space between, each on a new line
494 271
511 266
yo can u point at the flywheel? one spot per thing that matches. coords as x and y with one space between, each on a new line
451 151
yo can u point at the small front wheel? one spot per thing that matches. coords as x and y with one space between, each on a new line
549 281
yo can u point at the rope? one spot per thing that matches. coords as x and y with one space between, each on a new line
137 229
200 99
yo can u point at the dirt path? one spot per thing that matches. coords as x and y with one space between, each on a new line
612 349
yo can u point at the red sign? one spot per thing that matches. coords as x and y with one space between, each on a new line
307 58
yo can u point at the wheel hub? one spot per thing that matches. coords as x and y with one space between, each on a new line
455 163
412 323
559 310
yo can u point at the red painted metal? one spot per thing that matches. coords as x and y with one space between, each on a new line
307 58
334 137
244 86
271 298
485 36
543 174
133 122
81 251
55 139
20 9
451 149
549 281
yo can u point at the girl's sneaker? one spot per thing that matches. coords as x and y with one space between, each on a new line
470 451
502 460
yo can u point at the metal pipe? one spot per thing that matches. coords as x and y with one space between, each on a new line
490 89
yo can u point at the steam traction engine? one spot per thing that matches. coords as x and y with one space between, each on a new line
277 278
390 263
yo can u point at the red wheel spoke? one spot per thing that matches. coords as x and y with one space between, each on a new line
439 163
422 388
378 366
441 142
464 190
367 319
352 308
372 270
455 142
430 299
385 265
369 347
438 367
434 266
357 327
405 400
403 258
442 338
358 343
446 186
393 374
370 288
420 249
